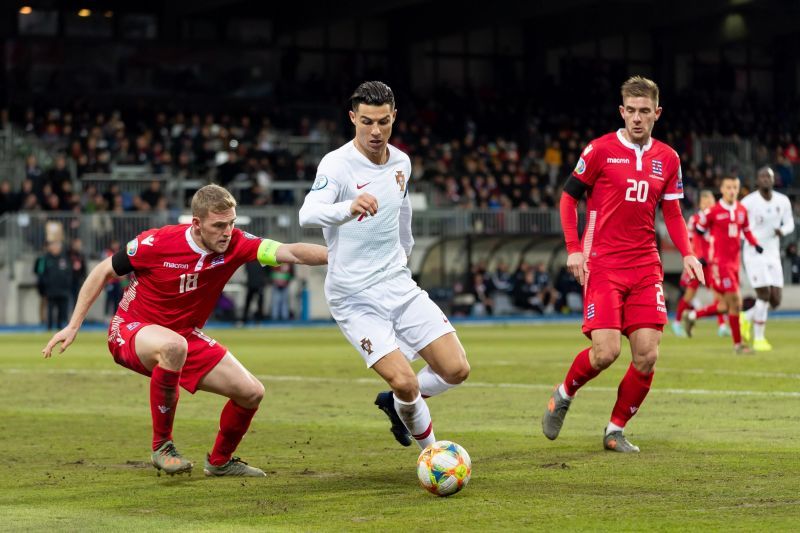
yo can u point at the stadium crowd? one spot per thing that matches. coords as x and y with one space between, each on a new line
465 155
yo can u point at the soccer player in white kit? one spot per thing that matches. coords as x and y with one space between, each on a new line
360 200
770 215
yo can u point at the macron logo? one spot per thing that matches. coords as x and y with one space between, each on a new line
634 409
163 408
149 240
167 264
618 160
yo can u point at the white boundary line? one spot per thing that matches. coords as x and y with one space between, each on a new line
468 384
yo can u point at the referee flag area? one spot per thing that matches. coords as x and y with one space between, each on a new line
719 434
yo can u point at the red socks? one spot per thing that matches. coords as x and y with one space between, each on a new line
631 393
708 310
736 332
164 393
233 424
683 305
579 373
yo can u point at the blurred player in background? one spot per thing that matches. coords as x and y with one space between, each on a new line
179 273
360 199
771 218
699 242
725 223
625 175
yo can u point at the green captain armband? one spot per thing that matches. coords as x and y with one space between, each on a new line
267 252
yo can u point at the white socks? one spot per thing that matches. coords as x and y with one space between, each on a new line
562 390
417 418
760 312
612 427
430 383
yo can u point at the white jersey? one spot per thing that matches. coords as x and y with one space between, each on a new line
765 217
362 250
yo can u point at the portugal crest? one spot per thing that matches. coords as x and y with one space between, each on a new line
401 180
366 345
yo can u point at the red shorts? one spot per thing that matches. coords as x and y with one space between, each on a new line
687 283
203 355
625 299
725 277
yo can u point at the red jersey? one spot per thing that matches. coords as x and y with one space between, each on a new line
699 242
626 182
175 283
725 225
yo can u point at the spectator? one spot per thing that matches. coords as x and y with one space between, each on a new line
256 281
794 262
114 286
281 276
77 261
57 282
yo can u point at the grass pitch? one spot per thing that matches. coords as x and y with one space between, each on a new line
719 433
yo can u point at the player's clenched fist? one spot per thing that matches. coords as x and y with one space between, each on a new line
364 204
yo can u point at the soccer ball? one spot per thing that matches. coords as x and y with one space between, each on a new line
444 468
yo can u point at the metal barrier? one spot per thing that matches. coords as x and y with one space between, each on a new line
731 153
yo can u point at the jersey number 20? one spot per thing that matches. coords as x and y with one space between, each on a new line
637 192
188 282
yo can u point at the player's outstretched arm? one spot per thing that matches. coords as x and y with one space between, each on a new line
301 253
88 294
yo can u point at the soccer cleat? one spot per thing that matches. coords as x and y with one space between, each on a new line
169 459
385 402
617 442
235 467
678 330
742 349
554 415
723 331
746 327
762 345
688 321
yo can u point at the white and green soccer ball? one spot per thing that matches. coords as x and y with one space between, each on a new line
444 468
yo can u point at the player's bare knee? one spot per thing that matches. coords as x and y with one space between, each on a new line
604 355
645 361
405 387
173 353
457 374
774 300
251 397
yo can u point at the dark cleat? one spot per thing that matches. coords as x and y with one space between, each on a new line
385 402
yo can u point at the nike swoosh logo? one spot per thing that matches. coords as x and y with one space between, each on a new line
361 186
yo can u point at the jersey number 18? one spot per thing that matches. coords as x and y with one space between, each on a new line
188 282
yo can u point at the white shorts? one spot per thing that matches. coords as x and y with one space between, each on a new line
763 271
392 314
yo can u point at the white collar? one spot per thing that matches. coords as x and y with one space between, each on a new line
638 148
193 245
726 206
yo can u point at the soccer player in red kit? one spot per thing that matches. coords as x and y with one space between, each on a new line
725 223
625 175
699 243
177 275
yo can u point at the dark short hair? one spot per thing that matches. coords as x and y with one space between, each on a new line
372 93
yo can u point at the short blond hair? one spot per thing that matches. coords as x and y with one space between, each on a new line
211 198
640 86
